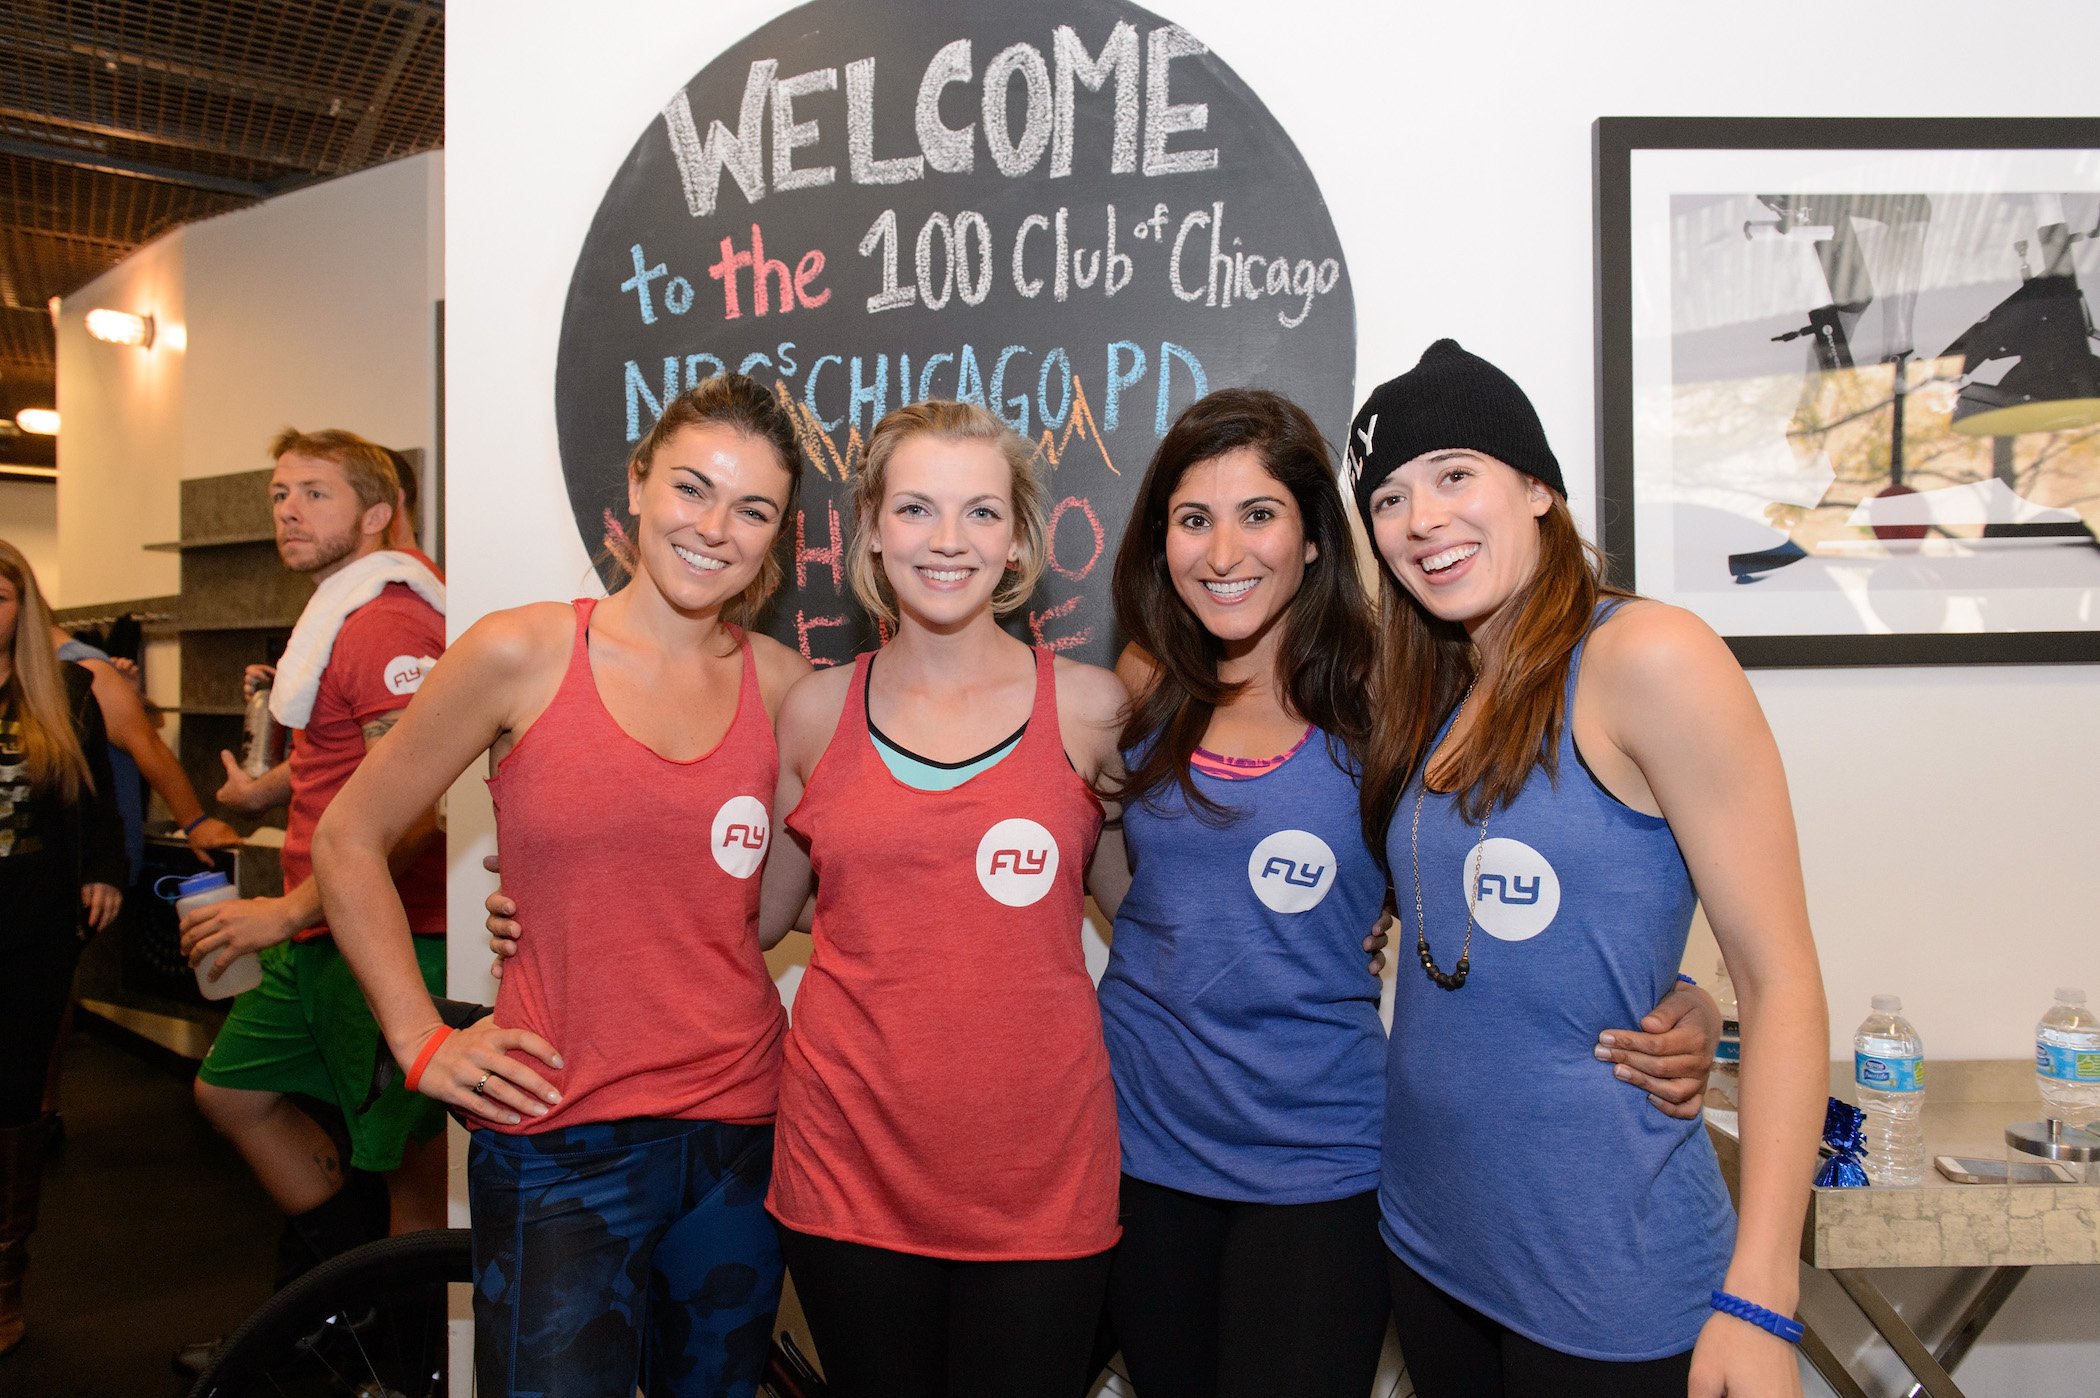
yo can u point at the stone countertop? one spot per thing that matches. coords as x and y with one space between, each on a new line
1940 1223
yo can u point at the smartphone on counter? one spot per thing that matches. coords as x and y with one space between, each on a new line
1964 1169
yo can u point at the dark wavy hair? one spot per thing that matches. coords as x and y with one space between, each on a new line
1324 656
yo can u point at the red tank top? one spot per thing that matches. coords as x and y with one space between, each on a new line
945 1090
640 959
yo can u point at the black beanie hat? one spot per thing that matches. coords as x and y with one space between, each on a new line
1450 400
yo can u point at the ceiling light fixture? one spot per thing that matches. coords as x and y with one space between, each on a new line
121 328
41 422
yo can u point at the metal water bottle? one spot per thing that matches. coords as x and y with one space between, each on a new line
258 755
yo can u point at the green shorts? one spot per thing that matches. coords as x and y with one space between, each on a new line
307 1029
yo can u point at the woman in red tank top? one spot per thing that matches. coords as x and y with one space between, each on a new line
946 1168
623 1092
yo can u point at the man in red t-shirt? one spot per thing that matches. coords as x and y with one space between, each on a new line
306 1029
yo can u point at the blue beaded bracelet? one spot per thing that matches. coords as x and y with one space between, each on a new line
1785 1327
1686 979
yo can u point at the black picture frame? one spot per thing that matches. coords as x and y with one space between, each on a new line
1619 143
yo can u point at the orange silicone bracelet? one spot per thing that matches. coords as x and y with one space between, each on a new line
430 1046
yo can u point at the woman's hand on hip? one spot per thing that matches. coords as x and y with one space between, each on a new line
1671 1054
502 920
473 1070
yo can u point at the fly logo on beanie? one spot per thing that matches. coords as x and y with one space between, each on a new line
1451 400
1352 459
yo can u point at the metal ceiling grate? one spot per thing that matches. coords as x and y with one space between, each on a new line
121 119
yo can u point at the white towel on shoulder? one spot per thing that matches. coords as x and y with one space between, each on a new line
298 680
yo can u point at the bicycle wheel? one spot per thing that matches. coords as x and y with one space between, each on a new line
370 1323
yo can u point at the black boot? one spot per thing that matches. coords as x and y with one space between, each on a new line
354 1215
21 1177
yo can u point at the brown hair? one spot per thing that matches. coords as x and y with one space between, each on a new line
735 401
368 466
36 692
1324 659
1424 666
949 422
411 488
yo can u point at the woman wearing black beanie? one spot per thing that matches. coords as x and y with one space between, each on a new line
1558 772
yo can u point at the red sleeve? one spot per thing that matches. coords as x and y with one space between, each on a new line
383 652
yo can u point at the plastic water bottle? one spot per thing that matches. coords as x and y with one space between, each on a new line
244 972
1724 1088
2067 1059
1888 1074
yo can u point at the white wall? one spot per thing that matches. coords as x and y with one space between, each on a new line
1946 814
29 521
316 310
120 432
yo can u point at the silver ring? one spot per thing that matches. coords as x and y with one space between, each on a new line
481 1085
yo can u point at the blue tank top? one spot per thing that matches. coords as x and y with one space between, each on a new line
1242 1025
1519 1176
123 773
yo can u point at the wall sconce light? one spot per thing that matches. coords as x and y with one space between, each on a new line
41 422
121 328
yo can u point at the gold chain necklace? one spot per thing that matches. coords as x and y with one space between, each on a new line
1456 976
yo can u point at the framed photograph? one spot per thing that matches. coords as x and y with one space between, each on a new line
1849 385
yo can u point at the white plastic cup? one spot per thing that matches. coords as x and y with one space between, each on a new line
244 972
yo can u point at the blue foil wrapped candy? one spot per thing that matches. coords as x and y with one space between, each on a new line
1845 1134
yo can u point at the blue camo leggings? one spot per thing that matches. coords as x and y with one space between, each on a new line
620 1255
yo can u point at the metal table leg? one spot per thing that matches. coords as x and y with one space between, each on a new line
1826 1364
1980 1311
1933 1379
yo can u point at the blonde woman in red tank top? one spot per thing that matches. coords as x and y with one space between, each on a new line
622 1095
947 1166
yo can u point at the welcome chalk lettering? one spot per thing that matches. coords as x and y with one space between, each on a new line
1052 105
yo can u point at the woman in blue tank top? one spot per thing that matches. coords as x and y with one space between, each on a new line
1558 773
1243 1032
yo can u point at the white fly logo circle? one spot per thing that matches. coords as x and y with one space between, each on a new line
1514 891
739 836
404 673
1017 862
1291 871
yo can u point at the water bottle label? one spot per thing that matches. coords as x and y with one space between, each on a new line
2067 1064
1888 1074
1728 1051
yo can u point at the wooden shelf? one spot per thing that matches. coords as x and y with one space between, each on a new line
241 624
213 541
239 603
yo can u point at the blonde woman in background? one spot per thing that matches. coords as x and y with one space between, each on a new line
62 869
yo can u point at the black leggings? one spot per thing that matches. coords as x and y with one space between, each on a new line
1453 1351
38 951
896 1325
1215 1297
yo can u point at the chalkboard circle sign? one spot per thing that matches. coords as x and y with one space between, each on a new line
1072 213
